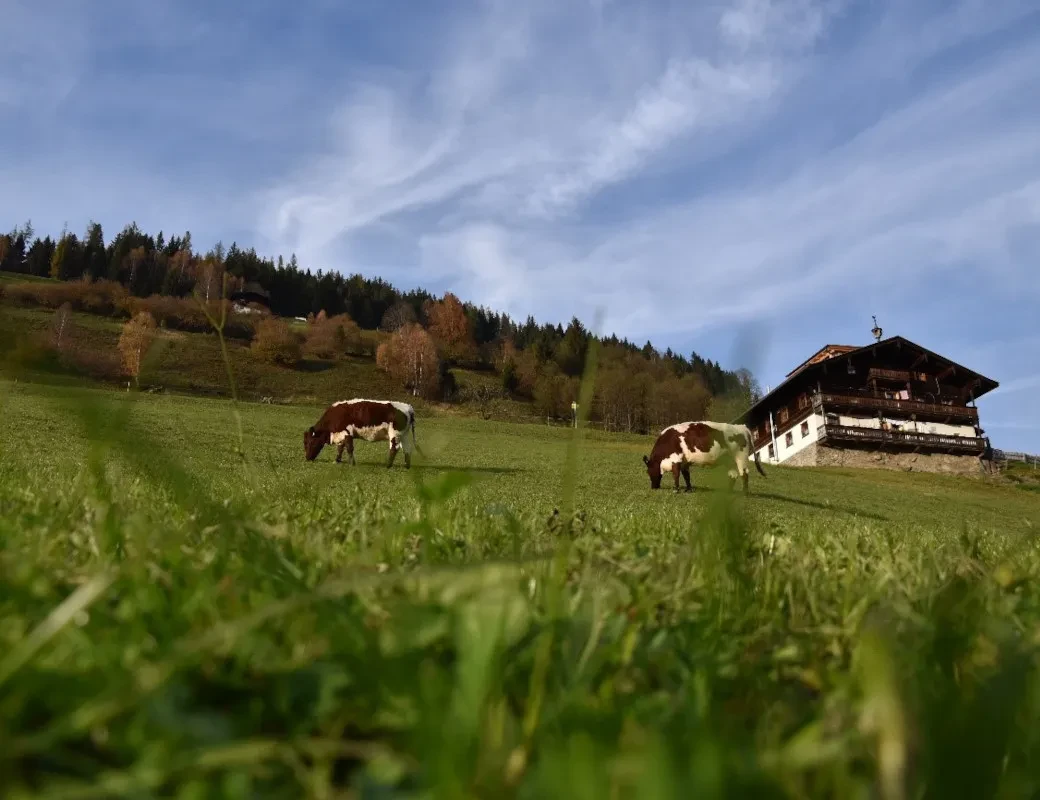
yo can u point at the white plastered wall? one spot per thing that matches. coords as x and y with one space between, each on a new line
798 441
907 425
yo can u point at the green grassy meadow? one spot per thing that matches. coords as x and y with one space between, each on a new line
189 609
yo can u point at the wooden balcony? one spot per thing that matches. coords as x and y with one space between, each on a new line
904 408
843 434
898 375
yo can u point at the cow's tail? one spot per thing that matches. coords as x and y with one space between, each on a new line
411 424
756 456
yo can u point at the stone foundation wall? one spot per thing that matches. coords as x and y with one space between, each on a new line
816 455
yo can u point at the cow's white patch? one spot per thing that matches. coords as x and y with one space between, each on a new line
698 457
739 451
404 408
371 433
668 463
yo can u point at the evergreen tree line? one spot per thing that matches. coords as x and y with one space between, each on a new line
541 361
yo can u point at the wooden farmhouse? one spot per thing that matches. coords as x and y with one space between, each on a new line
251 299
891 404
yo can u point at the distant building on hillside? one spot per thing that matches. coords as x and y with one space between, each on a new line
252 299
891 404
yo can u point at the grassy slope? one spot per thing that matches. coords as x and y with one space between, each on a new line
15 277
266 625
192 363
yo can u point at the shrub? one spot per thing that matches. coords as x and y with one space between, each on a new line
111 299
188 314
103 297
137 336
60 325
276 342
554 392
331 337
510 380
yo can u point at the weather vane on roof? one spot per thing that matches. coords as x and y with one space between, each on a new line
876 330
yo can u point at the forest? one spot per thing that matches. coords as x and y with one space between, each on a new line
156 280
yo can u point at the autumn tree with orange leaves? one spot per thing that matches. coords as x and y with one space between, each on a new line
450 328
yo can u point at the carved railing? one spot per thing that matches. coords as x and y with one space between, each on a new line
930 441
905 408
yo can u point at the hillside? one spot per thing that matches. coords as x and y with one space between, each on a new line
193 363
448 355
191 609
533 367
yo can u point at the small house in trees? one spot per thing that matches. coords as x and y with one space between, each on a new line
891 403
252 298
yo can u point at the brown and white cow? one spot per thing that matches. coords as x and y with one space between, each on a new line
701 444
371 420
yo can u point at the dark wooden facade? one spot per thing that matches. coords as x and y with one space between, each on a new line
890 378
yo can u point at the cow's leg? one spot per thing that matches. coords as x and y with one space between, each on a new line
407 445
676 469
339 451
744 479
349 444
395 445
686 477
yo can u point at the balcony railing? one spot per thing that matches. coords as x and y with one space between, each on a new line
965 414
972 445
889 374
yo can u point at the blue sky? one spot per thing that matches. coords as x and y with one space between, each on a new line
747 178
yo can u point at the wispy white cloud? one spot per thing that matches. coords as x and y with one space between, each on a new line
530 140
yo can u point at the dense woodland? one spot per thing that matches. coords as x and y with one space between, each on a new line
162 278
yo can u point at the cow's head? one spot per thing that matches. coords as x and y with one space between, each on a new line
653 469
314 441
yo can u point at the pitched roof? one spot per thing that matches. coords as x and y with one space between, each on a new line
825 352
842 352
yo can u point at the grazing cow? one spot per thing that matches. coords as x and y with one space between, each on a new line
702 444
371 420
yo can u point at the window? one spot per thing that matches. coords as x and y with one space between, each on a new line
803 401
805 429
784 414
788 439
772 452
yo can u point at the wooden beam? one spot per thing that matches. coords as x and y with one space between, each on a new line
921 359
950 370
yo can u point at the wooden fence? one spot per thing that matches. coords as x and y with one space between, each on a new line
1003 457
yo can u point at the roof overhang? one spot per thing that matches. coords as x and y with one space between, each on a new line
981 385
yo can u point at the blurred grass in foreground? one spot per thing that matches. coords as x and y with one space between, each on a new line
182 618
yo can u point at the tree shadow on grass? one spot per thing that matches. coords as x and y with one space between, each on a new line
484 470
313 365
398 465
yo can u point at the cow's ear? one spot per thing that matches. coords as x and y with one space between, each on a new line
646 461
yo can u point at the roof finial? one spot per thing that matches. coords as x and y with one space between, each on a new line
876 330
